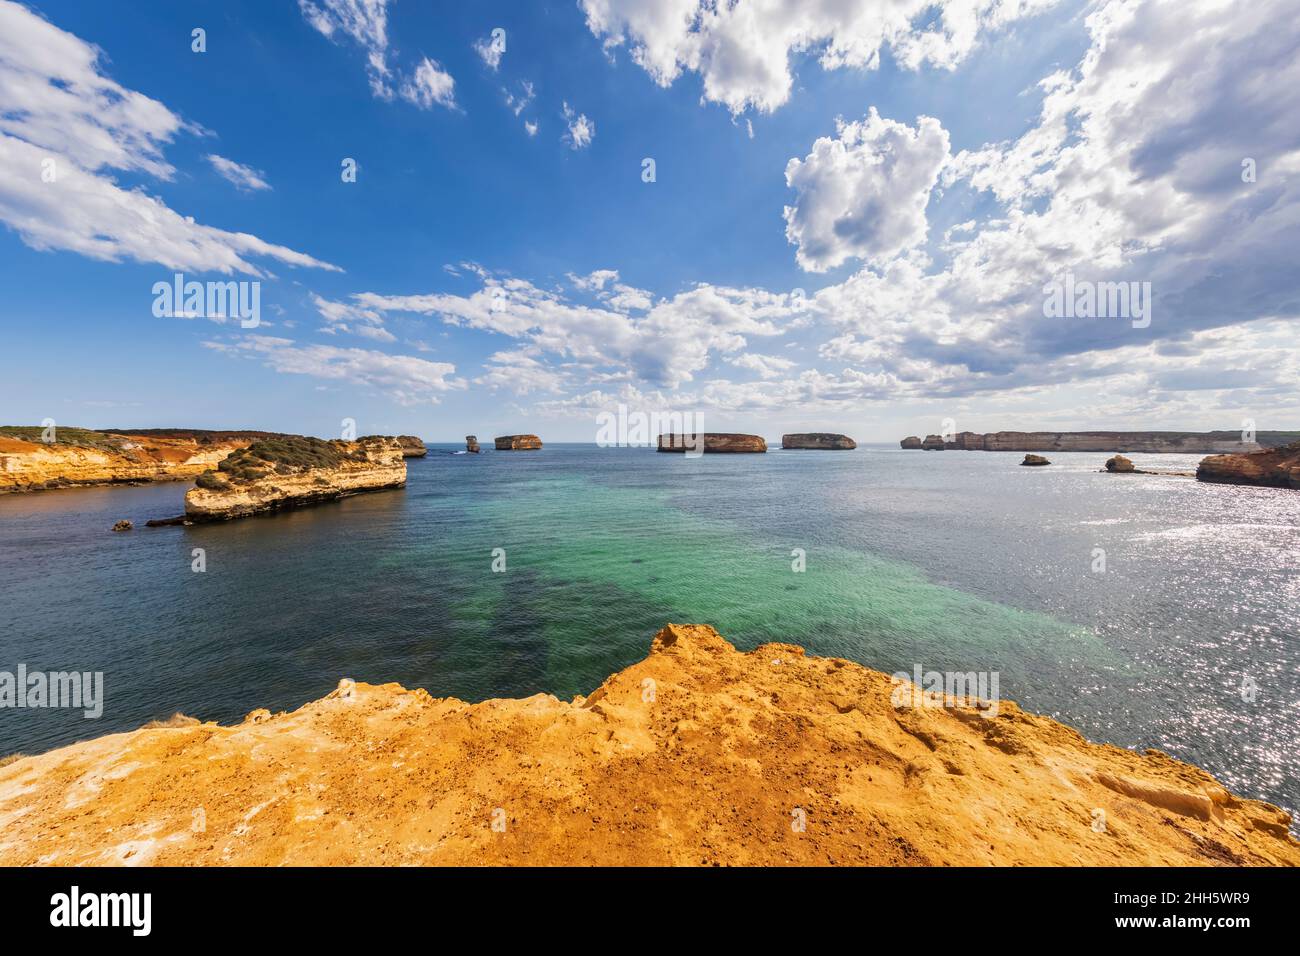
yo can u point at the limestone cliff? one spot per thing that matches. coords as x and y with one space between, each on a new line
1273 468
1151 442
696 755
713 442
294 471
518 443
821 441
80 456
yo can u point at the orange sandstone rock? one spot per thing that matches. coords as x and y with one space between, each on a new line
696 755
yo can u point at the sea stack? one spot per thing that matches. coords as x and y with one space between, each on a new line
1119 465
518 443
292 471
1274 468
412 447
1035 460
714 443
471 444
911 441
821 441
934 443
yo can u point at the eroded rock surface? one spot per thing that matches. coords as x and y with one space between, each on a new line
1274 468
698 754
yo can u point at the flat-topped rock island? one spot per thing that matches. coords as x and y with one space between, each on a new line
713 443
515 443
818 441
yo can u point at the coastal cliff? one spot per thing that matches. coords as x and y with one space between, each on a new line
80 456
517 443
714 443
820 441
293 471
1198 443
1272 468
696 755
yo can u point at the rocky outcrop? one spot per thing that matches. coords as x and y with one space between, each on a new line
79 456
1151 442
1274 468
471 444
934 443
412 447
123 525
911 441
518 443
821 441
696 755
1035 460
714 443
291 472
1119 464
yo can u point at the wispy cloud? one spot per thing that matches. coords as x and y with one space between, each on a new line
244 178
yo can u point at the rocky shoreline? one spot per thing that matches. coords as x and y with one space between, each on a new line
78 457
1271 468
769 757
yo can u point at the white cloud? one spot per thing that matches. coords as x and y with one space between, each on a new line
594 281
430 84
244 178
580 131
490 52
59 115
671 343
742 50
864 193
363 21
767 366
530 127
406 379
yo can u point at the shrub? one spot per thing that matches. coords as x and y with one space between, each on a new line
212 481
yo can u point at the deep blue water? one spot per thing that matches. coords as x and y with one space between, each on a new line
953 561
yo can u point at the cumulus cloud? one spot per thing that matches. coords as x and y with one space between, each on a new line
406 379
579 131
767 366
670 342
430 84
63 126
244 178
863 194
742 50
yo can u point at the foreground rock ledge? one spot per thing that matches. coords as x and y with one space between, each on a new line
711 770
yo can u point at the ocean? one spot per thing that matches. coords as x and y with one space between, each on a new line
1144 611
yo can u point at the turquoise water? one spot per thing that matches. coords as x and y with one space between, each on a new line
950 561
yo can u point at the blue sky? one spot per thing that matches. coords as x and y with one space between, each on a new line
916 180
